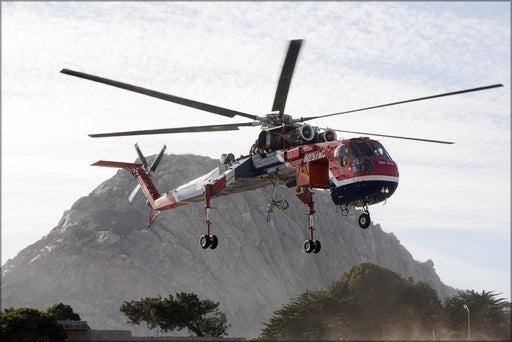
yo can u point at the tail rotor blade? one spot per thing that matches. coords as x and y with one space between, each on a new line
134 193
152 168
141 156
157 160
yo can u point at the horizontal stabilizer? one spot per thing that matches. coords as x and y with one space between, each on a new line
119 165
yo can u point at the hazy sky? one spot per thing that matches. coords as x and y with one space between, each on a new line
452 203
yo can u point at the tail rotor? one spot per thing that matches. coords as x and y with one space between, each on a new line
149 169
141 157
157 160
134 193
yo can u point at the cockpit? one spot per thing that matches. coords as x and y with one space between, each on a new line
359 152
367 148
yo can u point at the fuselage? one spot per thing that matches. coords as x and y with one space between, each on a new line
356 171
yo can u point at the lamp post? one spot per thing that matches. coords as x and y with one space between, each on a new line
469 326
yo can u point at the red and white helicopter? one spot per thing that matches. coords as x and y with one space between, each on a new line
359 172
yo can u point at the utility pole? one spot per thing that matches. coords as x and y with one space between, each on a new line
469 325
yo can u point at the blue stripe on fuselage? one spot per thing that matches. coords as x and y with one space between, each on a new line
260 164
247 170
265 160
355 194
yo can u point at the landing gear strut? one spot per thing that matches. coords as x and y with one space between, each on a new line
364 219
311 245
208 240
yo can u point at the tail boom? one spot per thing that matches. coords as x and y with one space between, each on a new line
155 200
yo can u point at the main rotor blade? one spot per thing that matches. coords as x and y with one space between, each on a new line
192 129
394 136
167 97
286 76
406 101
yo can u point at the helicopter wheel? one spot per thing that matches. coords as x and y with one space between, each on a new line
364 220
205 241
308 246
312 246
316 246
209 241
214 241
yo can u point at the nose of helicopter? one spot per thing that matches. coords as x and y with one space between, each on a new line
370 190
368 187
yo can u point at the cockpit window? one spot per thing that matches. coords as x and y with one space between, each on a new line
358 152
368 148
358 149
343 155
378 149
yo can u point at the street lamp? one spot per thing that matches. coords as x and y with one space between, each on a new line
469 331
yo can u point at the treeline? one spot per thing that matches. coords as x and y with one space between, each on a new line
183 311
370 302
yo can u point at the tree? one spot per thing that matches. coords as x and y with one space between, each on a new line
27 323
488 315
63 312
185 311
304 318
367 302
382 304
427 306
372 302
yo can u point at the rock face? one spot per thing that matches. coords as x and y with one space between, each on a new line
102 253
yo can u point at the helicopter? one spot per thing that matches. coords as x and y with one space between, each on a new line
358 172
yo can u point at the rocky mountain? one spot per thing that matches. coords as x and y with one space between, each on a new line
101 253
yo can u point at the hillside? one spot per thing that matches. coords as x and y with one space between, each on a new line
101 253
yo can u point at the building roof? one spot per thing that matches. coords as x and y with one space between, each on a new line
74 325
